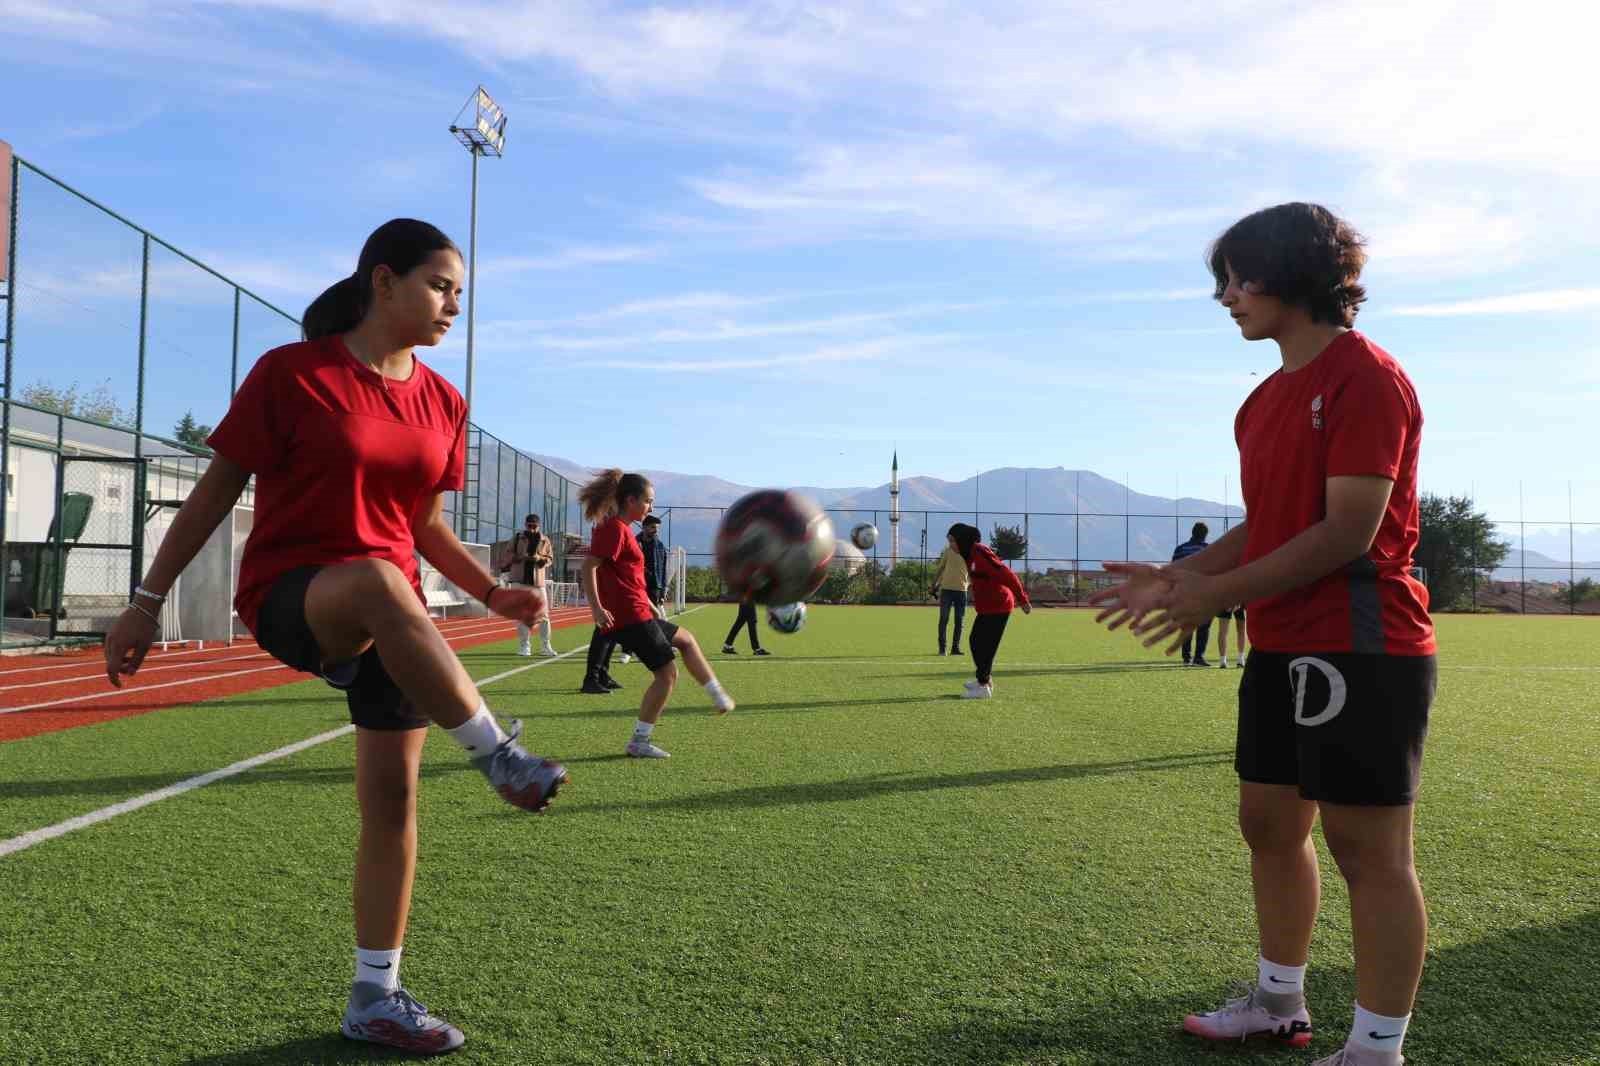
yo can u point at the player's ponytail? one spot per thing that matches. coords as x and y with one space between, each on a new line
609 489
402 245
599 496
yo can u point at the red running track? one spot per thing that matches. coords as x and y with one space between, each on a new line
46 693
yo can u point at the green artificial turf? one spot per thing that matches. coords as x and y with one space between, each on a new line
854 867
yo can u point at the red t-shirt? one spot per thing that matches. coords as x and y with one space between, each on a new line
343 460
621 574
995 588
1351 411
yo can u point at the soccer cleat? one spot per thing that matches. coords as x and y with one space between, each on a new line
396 1020
1223 665
643 749
609 683
1198 661
524 648
955 651
593 687
626 659
522 780
548 651
729 649
761 651
1186 661
975 691
723 702
1243 1017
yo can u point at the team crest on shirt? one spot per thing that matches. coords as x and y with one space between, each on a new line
1316 413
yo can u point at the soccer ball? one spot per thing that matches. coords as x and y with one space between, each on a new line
786 617
774 547
864 536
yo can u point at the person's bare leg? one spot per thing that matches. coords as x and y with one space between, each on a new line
693 657
1276 824
1388 916
387 763
1222 641
351 605
655 697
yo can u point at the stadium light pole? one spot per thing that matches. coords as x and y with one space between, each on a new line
486 135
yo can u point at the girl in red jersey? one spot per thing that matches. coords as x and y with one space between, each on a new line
995 591
613 580
1333 705
353 443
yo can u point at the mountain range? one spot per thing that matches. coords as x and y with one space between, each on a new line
1072 514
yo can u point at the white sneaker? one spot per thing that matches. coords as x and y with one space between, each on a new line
548 652
626 658
976 691
723 702
1242 1017
396 1020
525 649
643 749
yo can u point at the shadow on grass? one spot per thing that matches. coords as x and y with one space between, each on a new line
624 707
1001 672
1522 997
860 788
331 1049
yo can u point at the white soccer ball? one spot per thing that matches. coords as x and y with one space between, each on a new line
864 536
786 617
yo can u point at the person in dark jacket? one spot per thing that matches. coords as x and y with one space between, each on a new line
1194 546
995 593
655 558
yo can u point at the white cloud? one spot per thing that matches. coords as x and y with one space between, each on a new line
567 258
1545 302
725 331
863 351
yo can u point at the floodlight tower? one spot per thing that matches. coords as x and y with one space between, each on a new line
485 136
894 511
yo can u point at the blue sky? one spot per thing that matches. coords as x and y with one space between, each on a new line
772 241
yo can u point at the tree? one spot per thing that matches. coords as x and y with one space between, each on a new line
1009 542
1458 547
97 405
906 583
188 431
1581 591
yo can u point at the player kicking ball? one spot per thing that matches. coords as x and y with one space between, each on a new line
614 582
1334 700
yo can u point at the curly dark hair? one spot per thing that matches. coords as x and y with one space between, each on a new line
1303 254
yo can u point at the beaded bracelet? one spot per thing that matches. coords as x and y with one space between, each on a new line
140 590
153 617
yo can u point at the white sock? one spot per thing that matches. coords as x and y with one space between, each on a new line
714 689
1375 1032
479 734
378 968
1277 978
544 631
522 632
643 729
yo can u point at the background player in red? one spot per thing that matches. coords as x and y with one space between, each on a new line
995 592
614 582
1333 705
353 443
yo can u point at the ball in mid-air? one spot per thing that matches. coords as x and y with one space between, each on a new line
864 536
774 547
786 617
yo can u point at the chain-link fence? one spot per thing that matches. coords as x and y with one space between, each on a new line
119 345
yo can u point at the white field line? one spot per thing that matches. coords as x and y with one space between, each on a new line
83 821
50 832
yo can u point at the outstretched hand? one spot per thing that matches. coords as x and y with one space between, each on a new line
1190 601
127 644
520 603
1143 588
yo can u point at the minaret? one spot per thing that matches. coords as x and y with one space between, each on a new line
894 511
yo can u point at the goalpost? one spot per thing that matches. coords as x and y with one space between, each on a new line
677 580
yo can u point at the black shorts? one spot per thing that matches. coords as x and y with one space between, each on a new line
376 702
1346 728
649 642
1237 612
